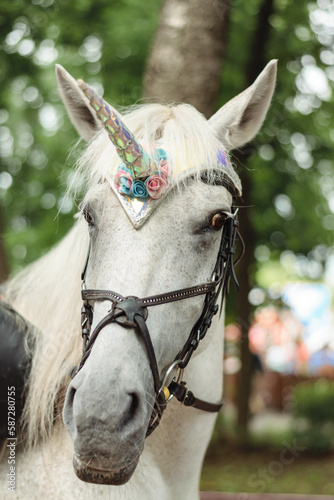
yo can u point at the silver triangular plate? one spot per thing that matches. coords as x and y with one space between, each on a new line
137 209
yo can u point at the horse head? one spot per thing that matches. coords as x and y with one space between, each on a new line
159 198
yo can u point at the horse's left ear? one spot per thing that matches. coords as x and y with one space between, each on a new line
238 121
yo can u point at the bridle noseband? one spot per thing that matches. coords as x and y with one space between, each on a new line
132 312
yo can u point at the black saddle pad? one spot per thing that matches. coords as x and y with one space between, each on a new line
15 360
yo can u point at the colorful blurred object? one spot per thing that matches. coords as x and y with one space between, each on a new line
311 305
299 338
296 338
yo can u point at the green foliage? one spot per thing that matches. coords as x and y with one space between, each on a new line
315 401
314 410
317 440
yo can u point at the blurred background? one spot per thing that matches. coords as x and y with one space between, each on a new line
277 425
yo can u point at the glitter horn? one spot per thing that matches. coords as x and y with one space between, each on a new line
128 148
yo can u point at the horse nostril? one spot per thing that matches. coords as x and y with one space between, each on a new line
130 415
68 408
70 396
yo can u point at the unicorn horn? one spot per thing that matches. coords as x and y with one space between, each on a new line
128 148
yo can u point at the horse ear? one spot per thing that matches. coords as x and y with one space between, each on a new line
238 121
77 105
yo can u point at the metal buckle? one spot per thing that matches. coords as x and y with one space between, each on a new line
165 378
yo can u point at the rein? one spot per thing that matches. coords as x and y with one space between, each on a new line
132 312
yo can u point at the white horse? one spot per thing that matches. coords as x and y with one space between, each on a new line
168 240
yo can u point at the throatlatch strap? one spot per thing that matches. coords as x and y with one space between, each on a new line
186 397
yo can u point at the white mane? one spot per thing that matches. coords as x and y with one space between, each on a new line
47 293
180 129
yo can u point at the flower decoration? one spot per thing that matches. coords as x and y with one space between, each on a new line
159 154
123 181
165 168
139 189
154 186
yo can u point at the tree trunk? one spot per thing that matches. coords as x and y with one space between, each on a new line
257 61
187 55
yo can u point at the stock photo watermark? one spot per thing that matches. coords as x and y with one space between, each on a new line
11 439
275 468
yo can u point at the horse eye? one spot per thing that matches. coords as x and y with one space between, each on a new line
88 216
218 220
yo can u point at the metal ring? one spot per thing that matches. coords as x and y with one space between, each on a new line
168 372
214 277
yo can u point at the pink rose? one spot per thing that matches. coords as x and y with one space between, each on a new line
123 182
165 168
156 186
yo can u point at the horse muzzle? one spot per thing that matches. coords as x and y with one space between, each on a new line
107 408
91 474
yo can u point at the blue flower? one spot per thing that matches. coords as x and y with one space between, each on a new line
160 154
139 190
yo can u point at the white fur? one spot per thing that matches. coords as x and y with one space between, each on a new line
169 252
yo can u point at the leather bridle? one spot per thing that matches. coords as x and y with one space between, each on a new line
132 312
